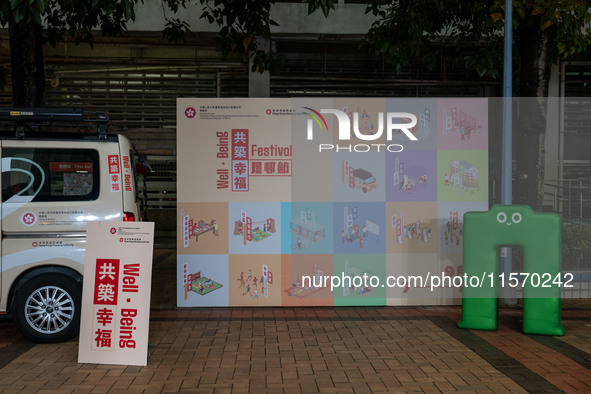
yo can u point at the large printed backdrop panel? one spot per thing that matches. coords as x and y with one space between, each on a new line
281 200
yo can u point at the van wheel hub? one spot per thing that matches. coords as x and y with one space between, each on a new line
49 309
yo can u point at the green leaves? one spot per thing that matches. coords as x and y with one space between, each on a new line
244 24
471 31
324 5
264 61
240 22
485 63
175 5
174 30
425 30
576 246
77 18
22 11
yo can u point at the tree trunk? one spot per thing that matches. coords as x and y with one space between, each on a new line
530 125
28 72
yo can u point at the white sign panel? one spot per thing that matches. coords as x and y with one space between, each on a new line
116 294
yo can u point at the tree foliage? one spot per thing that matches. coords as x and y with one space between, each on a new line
427 30
76 18
32 23
566 21
468 32
576 247
471 32
242 24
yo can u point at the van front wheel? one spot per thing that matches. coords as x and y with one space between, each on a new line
47 308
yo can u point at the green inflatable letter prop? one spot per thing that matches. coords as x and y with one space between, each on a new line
540 236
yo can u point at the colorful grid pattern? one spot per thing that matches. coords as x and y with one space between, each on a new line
274 204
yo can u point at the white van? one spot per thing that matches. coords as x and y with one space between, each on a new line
52 184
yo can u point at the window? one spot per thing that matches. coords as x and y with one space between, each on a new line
31 174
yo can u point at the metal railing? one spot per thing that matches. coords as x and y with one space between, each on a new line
571 198
579 287
158 187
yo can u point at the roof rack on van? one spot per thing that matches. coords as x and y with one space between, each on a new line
33 118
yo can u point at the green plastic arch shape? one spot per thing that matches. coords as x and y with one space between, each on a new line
540 236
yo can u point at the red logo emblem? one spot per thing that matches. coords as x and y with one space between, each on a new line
28 219
120 239
35 244
113 230
190 112
268 112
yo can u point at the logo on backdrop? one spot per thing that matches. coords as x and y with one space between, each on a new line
396 122
190 112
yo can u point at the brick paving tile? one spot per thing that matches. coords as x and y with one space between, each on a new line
454 379
404 376
324 383
526 351
101 388
303 350
339 377
60 391
576 383
289 374
309 387
377 387
361 388
319 366
329 390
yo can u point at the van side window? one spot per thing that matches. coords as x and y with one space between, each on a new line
32 174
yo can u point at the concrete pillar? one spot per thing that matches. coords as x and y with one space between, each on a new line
259 84
552 137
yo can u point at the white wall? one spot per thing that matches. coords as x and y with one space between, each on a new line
292 18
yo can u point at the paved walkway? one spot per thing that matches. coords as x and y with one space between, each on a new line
308 350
